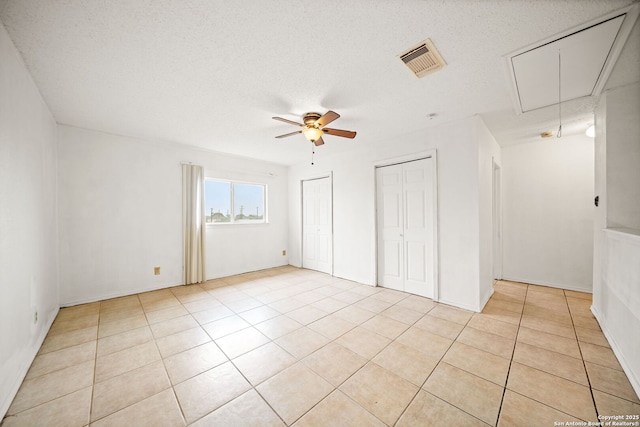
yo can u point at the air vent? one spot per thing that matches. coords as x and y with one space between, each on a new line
423 59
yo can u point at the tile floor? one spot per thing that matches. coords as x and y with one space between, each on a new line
287 346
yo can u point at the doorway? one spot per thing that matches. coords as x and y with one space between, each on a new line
405 207
497 222
317 225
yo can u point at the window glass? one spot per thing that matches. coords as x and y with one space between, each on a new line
248 203
217 201
234 202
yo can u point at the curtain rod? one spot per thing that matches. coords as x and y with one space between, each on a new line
235 171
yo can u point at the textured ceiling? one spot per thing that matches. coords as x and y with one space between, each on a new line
212 73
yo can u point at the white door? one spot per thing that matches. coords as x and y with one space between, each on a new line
405 206
317 225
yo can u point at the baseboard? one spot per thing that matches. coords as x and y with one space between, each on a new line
118 294
236 273
486 299
127 292
458 305
361 281
548 284
26 361
635 382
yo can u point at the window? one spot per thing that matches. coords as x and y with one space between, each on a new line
229 202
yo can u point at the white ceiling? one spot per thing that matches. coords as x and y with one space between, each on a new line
212 73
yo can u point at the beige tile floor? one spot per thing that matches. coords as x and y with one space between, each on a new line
287 346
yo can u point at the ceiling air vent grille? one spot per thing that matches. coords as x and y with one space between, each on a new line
423 59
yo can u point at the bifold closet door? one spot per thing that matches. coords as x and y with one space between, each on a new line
405 225
317 225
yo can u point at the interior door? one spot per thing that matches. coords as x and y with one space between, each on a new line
405 207
317 225
390 227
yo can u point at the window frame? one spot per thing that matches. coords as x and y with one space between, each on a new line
232 182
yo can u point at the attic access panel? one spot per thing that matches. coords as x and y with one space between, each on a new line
586 55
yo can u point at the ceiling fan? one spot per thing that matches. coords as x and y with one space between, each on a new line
314 127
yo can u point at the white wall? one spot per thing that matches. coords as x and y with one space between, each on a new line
121 216
354 206
616 270
548 212
28 221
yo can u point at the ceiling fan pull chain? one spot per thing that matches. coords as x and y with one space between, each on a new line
313 151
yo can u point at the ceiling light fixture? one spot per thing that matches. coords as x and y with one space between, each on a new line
312 134
591 131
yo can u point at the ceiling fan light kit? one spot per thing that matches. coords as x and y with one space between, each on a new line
314 127
313 134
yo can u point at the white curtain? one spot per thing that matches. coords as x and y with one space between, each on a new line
193 227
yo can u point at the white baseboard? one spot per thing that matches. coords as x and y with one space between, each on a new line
131 291
119 293
635 382
458 305
235 273
588 290
486 299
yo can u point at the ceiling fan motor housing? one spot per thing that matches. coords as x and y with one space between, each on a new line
311 118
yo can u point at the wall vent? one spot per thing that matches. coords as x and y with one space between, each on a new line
423 59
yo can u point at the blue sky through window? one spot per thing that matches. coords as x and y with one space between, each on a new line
249 201
217 196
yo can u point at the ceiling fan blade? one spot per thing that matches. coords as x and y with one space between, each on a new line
288 134
339 132
328 117
287 121
319 142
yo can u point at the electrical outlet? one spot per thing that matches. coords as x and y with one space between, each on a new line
156 270
284 252
35 317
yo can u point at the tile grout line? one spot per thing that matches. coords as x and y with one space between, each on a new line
95 365
506 380
436 367
229 360
123 373
254 387
584 363
543 371
336 388
155 342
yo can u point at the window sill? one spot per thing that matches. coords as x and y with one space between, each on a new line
236 224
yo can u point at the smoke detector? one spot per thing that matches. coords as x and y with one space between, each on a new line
423 59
